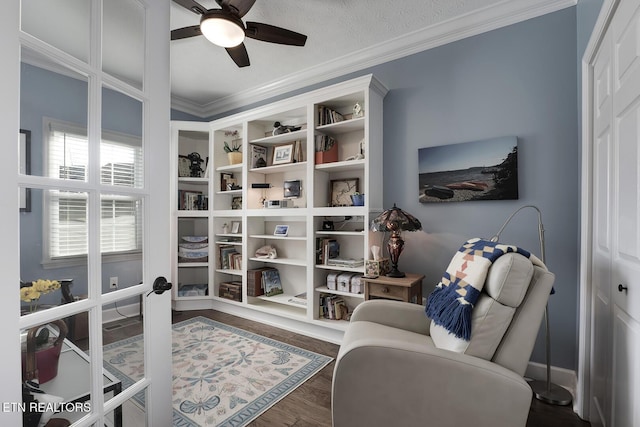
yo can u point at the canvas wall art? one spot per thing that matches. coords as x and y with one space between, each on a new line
478 170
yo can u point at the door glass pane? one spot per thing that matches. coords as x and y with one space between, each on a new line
61 367
121 152
123 40
121 240
53 112
123 347
132 413
51 21
53 247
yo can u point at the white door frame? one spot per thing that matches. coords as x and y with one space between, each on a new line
156 262
583 394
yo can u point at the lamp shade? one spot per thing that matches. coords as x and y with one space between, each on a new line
395 219
222 28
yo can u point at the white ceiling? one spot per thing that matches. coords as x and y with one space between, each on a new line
342 36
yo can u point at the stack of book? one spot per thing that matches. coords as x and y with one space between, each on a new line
230 258
326 250
327 116
255 287
324 143
333 307
345 262
192 201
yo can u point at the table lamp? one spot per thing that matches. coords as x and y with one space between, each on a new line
395 220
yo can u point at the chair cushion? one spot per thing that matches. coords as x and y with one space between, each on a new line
505 287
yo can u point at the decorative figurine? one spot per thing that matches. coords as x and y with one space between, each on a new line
196 161
357 111
279 128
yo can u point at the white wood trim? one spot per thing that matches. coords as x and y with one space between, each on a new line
583 378
477 22
10 370
157 252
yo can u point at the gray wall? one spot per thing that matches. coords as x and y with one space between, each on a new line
515 81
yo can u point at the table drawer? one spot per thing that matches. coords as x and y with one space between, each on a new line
385 291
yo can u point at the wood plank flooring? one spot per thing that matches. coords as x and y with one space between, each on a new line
310 404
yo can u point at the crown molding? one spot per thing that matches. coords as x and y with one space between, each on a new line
490 18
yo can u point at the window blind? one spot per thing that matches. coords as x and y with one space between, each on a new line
120 216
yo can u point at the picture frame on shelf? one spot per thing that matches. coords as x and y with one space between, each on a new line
235 227
341 190
224 178
258 156
281 230
292 189
282 154
236 202
184 166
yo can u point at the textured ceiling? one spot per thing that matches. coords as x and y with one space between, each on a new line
340 33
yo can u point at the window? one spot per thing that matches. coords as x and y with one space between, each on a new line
120 215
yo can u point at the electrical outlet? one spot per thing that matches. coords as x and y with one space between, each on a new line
113 282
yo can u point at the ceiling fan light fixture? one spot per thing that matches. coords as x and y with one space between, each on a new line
222 28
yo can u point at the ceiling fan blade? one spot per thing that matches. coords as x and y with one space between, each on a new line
183 33
192 5
239 6
272 34
239 55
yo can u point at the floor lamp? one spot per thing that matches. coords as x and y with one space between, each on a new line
545 391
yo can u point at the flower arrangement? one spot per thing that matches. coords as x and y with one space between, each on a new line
31 294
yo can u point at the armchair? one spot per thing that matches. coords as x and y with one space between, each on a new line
390 371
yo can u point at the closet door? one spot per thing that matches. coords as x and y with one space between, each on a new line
625 28
602 240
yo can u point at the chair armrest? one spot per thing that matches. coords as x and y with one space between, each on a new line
378 383
396 314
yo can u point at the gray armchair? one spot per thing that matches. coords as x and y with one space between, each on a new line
389 372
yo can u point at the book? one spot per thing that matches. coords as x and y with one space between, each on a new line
272 283
225 260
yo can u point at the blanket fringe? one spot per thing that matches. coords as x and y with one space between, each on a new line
450 313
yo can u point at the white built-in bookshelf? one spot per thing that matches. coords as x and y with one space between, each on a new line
225 206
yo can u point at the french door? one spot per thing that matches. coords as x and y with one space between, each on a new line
88 155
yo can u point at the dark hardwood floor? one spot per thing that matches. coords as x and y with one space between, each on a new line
310 404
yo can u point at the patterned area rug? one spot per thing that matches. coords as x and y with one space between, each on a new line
222 376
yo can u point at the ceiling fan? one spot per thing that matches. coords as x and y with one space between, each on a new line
224 27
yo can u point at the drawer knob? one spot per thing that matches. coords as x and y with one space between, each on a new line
622 288
385 290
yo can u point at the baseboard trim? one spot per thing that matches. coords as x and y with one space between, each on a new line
563 377
123 312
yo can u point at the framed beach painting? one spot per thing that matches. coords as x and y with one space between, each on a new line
478 170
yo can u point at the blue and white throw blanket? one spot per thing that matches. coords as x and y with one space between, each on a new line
451 302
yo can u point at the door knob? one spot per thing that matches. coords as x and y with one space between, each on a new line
622 288
160 285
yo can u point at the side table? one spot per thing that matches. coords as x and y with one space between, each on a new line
407 289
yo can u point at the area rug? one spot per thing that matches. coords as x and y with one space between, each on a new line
222 376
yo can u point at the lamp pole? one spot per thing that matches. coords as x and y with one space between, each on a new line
544 391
